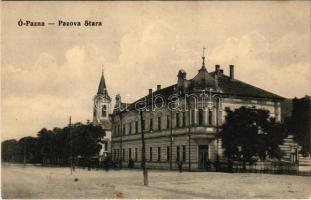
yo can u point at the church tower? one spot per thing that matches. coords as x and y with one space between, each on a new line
102 105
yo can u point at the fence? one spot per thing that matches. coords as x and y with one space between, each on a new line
259 167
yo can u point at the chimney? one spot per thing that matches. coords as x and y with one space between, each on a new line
217 69
216 74
231 72
150 91
158 87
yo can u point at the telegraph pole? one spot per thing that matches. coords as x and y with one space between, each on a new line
171 139
70 141
24 152
143 153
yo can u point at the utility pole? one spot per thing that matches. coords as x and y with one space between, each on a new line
189 135
171 139
143 153
70 141
24 152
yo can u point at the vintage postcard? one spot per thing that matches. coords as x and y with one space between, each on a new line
155 99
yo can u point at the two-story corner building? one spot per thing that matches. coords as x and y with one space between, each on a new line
181 122
101 115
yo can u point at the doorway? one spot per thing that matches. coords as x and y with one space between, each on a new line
203 156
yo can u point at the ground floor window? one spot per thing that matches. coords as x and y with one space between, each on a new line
123 154
168 153
150 154
159 154
184 153
136 154
130 153
177 153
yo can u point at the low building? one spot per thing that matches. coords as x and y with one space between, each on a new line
181 122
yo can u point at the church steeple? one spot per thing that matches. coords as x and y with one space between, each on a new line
102 104
102 89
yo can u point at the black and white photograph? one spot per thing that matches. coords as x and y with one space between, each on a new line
155 99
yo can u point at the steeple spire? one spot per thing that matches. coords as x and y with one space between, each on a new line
102 89
203 58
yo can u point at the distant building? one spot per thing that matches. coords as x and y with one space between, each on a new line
101 114
190 133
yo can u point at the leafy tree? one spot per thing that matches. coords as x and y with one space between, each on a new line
249 133
55 146
9 151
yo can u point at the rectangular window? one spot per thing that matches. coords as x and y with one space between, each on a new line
151 124
136 153
177 153
106 146
150 154
167 121
136 127
184 119
168 153
118 154
184 153
104 111
119 130
159 154
177 120
130 131
210 117
193 116
130 153
123 133
159 123
123 154
201 117
144 124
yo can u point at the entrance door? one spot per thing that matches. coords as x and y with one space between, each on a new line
203 156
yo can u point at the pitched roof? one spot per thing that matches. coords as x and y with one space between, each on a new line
240 88
102 89
225 85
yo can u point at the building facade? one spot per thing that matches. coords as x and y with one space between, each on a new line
181 122
101 113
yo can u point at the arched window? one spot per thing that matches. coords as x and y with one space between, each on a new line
104 111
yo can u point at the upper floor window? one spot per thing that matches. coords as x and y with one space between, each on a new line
104 111
193 116
177 120
144 124
184 119
200 116
210 117
168 122
159 123
123 132
151 124
130 129
136 127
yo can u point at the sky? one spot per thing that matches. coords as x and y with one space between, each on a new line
50 73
